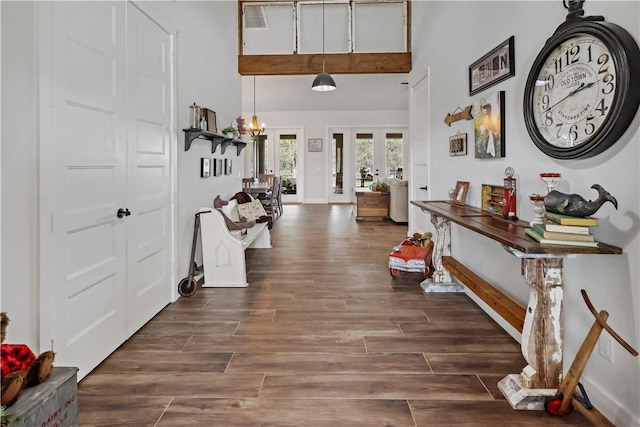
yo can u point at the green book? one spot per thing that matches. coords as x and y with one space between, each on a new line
540 239
571 220
547 234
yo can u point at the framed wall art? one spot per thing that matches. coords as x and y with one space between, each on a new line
227 166
489 121
460 193
212 125
205 167
495 66
217 167
458 144
315 145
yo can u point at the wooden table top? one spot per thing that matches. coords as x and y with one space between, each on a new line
508 232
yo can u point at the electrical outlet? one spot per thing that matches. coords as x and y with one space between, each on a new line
605 347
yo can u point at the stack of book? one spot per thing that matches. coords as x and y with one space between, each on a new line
564 230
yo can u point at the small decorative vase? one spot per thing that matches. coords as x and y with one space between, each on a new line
537 201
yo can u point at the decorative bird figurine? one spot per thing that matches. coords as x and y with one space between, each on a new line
576 205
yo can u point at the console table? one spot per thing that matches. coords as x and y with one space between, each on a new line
542 332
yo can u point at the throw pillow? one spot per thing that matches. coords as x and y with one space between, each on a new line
231 211
251 211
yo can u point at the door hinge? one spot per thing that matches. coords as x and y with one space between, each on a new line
51 220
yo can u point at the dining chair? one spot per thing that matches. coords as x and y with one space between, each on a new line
269 200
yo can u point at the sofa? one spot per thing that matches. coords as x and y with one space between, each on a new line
398 199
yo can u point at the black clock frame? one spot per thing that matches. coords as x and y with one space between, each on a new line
626 57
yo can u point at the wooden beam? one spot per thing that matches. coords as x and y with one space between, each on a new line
335 63
502 304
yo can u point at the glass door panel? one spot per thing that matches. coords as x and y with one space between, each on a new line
364 159
393 155
288 155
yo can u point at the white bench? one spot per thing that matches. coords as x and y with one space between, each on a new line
223 250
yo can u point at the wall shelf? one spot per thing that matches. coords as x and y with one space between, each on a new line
223 141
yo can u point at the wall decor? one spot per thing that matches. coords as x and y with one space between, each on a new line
212 125
205 167
590 70
460 193
227 166
458 144
495 66
463 114
315 144
217 167
489 126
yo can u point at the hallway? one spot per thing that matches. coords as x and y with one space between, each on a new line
323 336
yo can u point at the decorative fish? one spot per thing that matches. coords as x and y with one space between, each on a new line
576 205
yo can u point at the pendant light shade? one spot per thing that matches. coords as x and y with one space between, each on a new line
254 129
323 81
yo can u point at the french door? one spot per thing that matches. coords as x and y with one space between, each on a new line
105 210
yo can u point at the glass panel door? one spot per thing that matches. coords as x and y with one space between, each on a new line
364 159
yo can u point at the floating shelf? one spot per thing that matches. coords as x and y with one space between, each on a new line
223 141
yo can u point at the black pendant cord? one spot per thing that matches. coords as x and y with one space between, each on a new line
323 36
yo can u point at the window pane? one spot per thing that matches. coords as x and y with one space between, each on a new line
379 27
336 31
364 159
337 162
262 150
288 172
273 35
393 156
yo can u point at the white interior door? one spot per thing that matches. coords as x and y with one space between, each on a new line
82 166
148 182
419 173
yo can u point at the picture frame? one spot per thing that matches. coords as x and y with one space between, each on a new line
314 145
458 144
212 125
460 193
497 65
227 166
489 126
217 167
205 167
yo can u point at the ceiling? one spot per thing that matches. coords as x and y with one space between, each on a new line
362 92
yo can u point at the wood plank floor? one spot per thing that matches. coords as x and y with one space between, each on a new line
323 336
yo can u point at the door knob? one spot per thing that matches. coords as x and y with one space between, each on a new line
424 188
123 212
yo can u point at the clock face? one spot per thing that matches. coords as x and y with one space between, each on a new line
574 91
583 89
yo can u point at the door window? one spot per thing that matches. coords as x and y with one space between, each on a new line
393 155
288 148
364 159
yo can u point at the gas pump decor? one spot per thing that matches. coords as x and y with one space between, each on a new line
510 201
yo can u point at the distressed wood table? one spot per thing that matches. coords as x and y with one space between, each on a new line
542 333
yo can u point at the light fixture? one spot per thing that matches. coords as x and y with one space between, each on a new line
323 81
254 129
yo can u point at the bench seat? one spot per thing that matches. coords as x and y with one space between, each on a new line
223 251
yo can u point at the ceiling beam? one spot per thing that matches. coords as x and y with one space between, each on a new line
335 63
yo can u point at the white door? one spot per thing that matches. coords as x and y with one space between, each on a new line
82 167
419 173
105 127
148 181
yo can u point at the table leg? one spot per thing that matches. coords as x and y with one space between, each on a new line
541 337
440 280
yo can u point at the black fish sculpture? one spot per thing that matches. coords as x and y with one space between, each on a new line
576 205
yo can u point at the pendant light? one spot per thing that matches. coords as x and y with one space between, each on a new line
254 129
323 81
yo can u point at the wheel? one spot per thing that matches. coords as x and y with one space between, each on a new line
187 286
393 272
552 406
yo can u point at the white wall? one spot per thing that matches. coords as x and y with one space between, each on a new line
316 125
472 29
19 283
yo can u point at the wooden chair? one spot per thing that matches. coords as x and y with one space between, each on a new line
246 185
270 199
266 177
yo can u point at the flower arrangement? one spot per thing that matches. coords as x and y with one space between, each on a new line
241 125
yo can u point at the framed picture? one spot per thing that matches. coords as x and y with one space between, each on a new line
315 144
205 167
227 166
458 144
460 193
217 167
488 125
212 125
495 66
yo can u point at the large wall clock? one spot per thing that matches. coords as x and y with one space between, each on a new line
583 89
